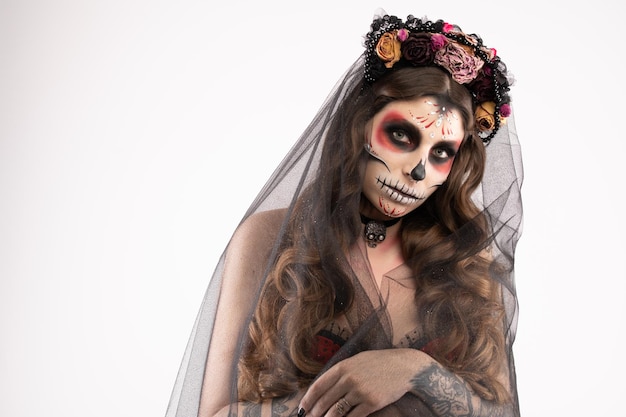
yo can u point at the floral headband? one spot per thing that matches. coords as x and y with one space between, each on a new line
421 42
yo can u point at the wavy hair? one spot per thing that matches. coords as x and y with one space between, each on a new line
309 285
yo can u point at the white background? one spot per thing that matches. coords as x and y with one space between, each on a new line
134 134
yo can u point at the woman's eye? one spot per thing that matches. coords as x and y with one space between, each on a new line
442 153
400 136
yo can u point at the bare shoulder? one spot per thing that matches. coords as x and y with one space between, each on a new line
252 242
260 228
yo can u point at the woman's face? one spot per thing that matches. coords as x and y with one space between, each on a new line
412 145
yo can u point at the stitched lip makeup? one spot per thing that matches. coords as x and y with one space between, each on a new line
399 193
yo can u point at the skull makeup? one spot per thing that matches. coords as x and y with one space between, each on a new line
412 144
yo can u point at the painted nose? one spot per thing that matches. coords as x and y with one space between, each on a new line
419 172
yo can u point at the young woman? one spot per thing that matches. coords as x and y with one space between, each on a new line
374 272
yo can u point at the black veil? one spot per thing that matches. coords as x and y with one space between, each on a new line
498 196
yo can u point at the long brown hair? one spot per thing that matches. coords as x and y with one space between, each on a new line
303 294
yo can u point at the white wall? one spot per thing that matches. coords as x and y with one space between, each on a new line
134 134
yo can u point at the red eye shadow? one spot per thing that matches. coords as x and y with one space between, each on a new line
445 167
380 136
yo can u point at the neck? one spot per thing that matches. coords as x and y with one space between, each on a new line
387 222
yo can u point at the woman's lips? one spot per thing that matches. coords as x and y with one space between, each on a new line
399 193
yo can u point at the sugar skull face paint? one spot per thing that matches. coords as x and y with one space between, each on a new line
412 146
438 116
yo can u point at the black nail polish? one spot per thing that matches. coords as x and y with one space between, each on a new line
301 412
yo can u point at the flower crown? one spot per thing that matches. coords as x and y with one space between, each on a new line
421 42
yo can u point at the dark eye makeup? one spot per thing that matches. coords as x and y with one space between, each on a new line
402 135
443 153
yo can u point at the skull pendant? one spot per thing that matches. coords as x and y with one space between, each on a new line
375 232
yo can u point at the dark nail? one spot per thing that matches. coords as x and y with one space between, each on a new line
301 412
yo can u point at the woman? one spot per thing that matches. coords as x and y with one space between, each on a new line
374 272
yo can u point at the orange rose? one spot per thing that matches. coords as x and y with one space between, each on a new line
388 48
484 115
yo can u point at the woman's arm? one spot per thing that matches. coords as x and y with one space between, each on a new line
372 380
245 261
276 407
449 396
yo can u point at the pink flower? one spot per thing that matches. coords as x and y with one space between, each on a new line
459 61
437 41
403 34
505 110
447 27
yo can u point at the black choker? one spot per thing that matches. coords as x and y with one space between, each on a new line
376 230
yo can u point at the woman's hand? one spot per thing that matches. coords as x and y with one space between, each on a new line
365 383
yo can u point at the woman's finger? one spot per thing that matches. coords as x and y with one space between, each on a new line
360 410
320 395
327 402
343 407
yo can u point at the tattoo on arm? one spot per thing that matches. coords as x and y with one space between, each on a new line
251 410
277 407
449 396
282 408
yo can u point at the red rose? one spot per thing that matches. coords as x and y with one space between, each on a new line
417 49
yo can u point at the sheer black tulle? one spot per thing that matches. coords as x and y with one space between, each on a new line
369 325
